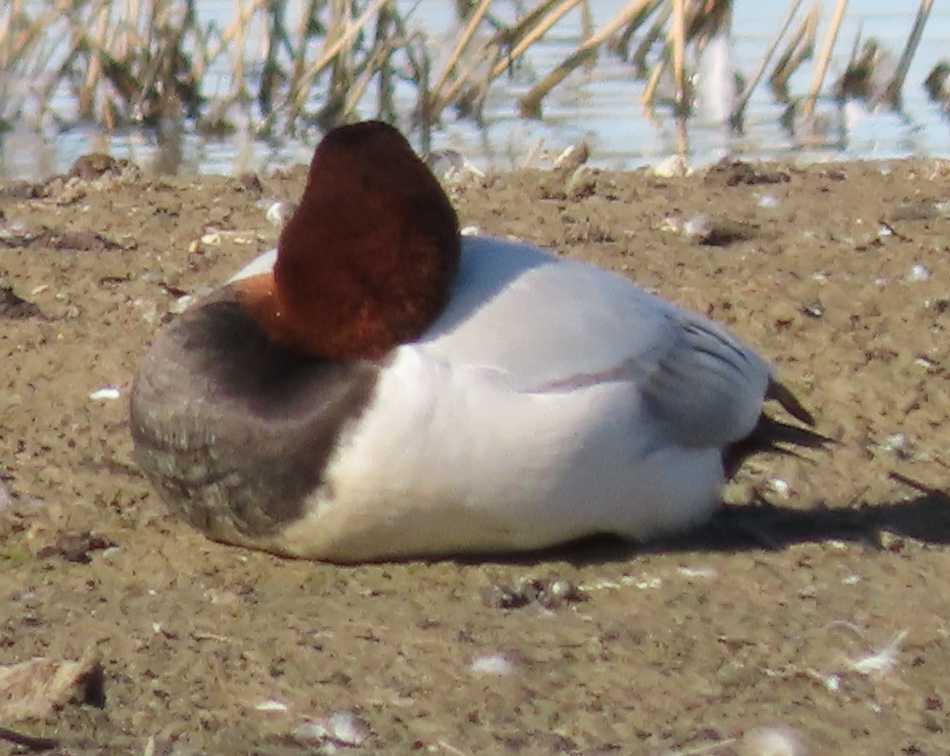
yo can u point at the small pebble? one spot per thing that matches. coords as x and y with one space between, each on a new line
698 572
674 166
452 167
105 394
573 157
348 729
919 273
279 212
582 183
341 728
780 487
672 223
698 227
772 741
493 664
813 309
895 442
270 705
251 182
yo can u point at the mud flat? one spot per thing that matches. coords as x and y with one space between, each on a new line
820 622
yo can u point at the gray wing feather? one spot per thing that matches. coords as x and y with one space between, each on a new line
707 387
564 325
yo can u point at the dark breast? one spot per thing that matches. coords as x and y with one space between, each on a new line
233 430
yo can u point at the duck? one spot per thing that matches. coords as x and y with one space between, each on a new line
381 387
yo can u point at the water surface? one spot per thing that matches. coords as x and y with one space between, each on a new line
601 105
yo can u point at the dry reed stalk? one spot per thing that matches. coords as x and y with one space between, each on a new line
530 104
300 88
743 98
506 35
438 101
94 71
527 31
42 56
893 92
649 92
9 31
682 135
160 98
15 11
90 46
81 41
124 52
305 30
587 30
587 21
342 65
656 32
374 66
700 19
678 40
533 36
131 78
274 37
121 58
420 68
134 14
30 33
456 54
385 45
799 49
199 58
234 39
824 58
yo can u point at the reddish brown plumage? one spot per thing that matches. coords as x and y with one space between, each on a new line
367 261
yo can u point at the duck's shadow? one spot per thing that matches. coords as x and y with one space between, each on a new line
764 526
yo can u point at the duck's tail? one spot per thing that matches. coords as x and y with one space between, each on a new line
770 435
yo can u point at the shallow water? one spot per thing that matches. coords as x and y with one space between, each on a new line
600 105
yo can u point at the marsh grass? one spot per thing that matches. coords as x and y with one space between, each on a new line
141 61
283 65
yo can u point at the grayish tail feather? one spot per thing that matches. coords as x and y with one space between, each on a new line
771 435
777 392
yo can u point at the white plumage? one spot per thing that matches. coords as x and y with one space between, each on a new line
550 401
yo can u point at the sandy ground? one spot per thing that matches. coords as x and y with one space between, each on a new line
832 640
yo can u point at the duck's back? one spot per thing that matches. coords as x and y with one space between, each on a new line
552 324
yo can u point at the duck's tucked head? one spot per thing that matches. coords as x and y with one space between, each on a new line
368 259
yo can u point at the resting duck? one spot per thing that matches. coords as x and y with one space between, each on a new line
379 387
